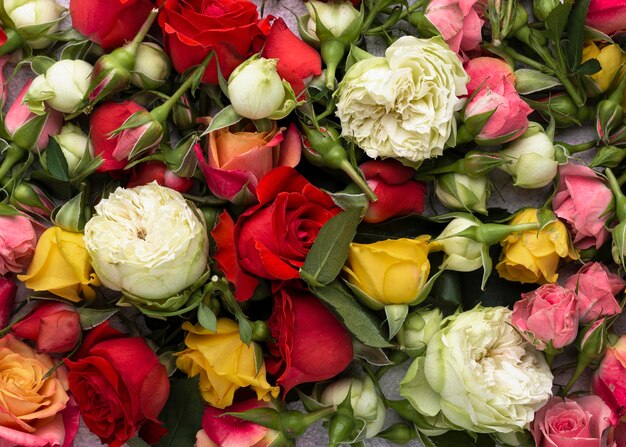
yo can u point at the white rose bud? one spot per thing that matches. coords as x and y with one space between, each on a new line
462 192
34 12
74 144
463 253
152 67
62 87
147 242
255 89
335 15
364 399
532 156
418 329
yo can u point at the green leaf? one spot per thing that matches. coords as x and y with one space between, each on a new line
224 118
396 314
462 439
530 81
575 33
137 442
56 164
40 64
90 318
360 322
182 414
446 294
373 356
557 21
590 67
8 210
330 249
207 318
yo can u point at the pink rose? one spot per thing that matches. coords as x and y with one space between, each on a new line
619 435
609 380
596 288
547 316
582 200
608 16
398 194
487 72
578 422
17 243
459 22
54 326
509 112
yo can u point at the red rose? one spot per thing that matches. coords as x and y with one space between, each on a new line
109 23
119 385
157 171
54 326
192 28
311 345
105 119
272 239
8 290
398 194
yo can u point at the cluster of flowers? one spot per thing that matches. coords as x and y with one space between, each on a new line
206 217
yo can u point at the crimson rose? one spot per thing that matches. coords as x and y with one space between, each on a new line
120 386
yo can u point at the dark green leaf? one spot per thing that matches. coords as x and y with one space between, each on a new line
363 325
331 247
409 226
447 292
90 318
207 318
531 81
557 21
462 439
224 118
137 442
575 33
373 356
182 414
56 164
590 67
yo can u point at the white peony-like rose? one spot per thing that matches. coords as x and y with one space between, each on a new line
147 242
477 374
402 105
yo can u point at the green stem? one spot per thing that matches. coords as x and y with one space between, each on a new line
581 366
134 44
360 182
389 23
13 154
549 358
620 199
162 112
13 42
575 148
526 60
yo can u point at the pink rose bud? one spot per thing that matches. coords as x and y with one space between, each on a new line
608 16
459 22
7 297
609 381
582 200
17 243
487 72
596 288
28 130
398 194
577 422
593 340
158 171
31 199
547 317
53 326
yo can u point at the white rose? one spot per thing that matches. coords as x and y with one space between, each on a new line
147 242
463 192
336 16
463 253
477 374
403 105
32 13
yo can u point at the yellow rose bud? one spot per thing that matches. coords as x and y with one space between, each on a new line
609 57
61 266
533 256
393 271
224 363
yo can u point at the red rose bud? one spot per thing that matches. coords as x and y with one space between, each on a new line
157 171
608 157
311 345
28 130
609 112
139 133
53 326
8 289
29 198
398 194
609 380
608 16
118 379
109 23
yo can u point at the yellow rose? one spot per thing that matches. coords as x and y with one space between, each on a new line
533 256
30 403
61 266
389 272
610 58
224 363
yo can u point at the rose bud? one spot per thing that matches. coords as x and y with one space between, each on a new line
219 429
596 288
310 344
584 201
118 21
184 114
255 89
618 247
609 112
152 67
74 144
533 163
543 8
563 109
578 422
31 199
459 22
608 16
53 326
609 380
610 59
157 171
608 157
27 15
462 192
485 71
463 254
8 289
547 317
29 130
417 330
62 87
398 194
365 401
17 243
